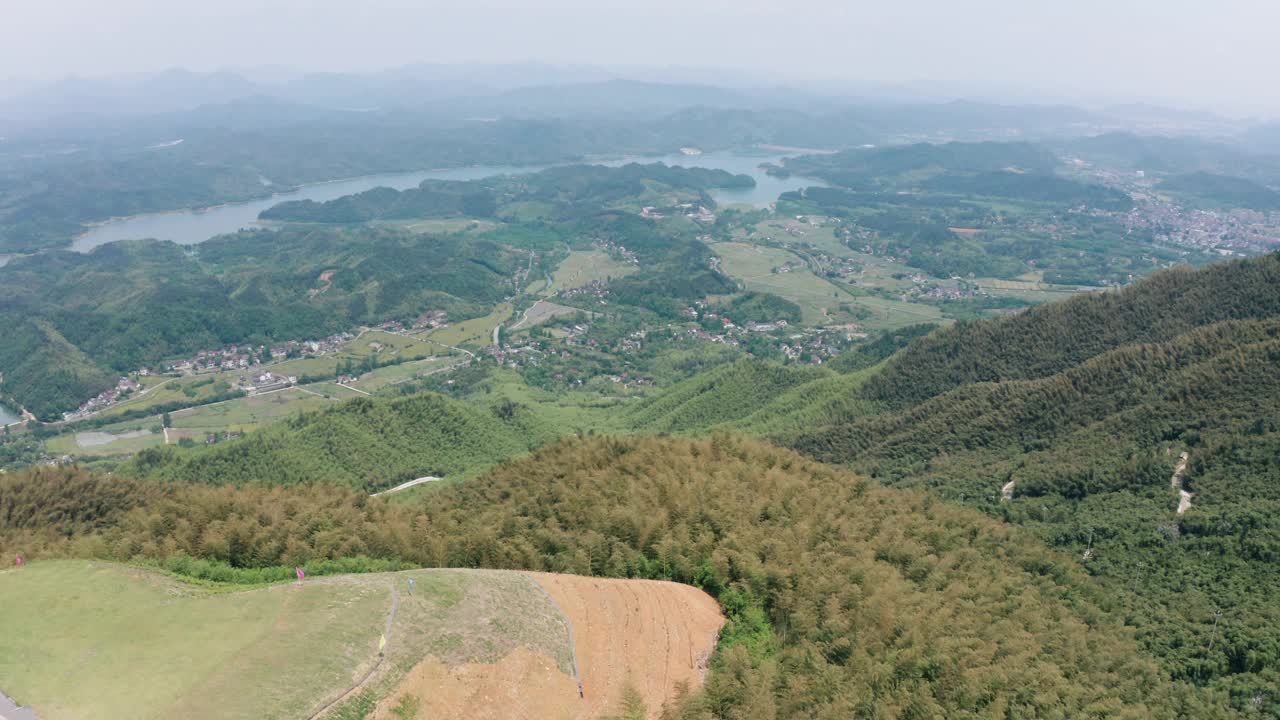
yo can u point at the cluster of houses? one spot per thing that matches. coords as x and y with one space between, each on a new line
616 251
124 388
690 210
432 320
239 357
1234 232
250 358
266 381
517 353
596 288
216 437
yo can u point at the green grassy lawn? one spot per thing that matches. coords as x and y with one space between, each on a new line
88 640
97 640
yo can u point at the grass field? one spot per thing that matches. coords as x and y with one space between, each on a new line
87 640
385 377
122 439
476 330
820 301
445 225
249 413
582 267
193 390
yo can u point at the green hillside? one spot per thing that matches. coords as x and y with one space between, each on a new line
1054 337
844 598
1222 191
823 575
721 395
363 443
134 304
204 653
1096 399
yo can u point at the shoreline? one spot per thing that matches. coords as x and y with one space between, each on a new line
280 191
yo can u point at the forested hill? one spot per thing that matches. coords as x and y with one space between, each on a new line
1097 400
844 599
1015 171
1048 339
367 444
75 322
568 191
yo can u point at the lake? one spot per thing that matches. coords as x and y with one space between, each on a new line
188 227
8 416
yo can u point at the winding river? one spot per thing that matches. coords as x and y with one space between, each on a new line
189 227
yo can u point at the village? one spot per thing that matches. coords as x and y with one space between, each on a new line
250 364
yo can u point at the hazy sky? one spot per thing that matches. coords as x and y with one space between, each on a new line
1210 53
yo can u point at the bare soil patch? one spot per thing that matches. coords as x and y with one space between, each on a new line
644 634
524 684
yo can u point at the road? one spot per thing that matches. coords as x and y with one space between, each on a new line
406 485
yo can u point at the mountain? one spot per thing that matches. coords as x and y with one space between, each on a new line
366 444
1051 338
78 321
1222 191
831 584
1071 419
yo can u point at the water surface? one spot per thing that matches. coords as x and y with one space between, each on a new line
8 416
188 227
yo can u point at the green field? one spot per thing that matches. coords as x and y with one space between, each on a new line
122 439
445 225
583 267
97 640
251 412
820 301
191 390
384 377
476 330
195 389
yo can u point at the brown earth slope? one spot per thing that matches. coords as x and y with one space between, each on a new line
642 635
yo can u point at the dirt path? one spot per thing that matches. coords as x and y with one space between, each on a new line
1006 492
642 634
377 663
1179 474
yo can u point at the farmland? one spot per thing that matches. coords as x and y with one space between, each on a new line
583 267
820 301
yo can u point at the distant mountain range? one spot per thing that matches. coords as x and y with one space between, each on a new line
541 90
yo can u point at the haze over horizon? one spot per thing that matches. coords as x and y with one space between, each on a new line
1134 51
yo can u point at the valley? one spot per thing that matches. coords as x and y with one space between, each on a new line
650 401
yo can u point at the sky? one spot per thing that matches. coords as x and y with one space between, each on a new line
1208 54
